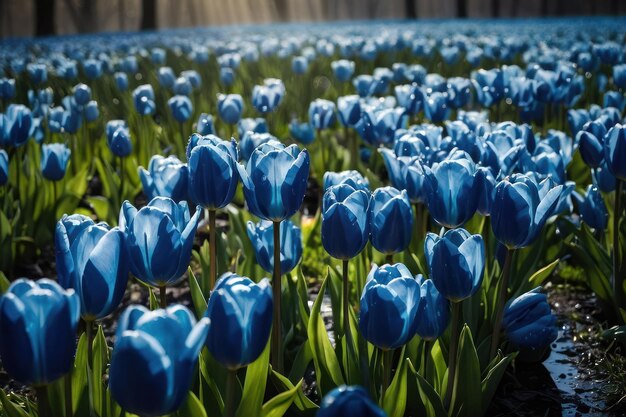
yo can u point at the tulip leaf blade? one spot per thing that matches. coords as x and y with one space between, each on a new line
192 407
79 377
154 303
278 406
4 282
327 370
466 389
301 401
100 359
541 275
394 401
430 398
199 302
492 380
9 407
254 385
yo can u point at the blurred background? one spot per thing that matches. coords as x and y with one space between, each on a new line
58 17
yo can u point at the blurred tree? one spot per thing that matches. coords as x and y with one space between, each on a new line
282 10
544 7
148 15
44 17
85 16
495 8
461 8
411 9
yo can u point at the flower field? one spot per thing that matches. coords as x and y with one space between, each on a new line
419 183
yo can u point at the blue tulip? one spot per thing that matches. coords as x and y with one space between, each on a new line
143 97
349 110
261 236
241 319
204 126
182 87
615 151
619 76
345 225
4 167
92 68
603 178
354 178
16 125
92 259
321 114
453 189
166 77
258 125
365 85
230 107
436 107
267 97
181 108
197 140
391 220
529 322
343 69
227 76
456 262
489 86
615 99
193 77
434 313
486 193
301 132
121 81
576 119
54 160
118 138
459 91
38 73
7 88
91 111
38 323
153 361
82 94
520 209
299 65
410 97
349 401
165 177
159 239
389 306
274 180
378 126
405 173
213 174
593 209
157 55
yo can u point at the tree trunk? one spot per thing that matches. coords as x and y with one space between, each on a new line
544 7
148 15
461 9
411 9
495 8
282 10
44 17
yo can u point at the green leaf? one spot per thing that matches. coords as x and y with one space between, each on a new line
394 401
199 302
490 384
192 407
302 402
100 360
466 389
430 398
4 283
254 385
154 303
79 377
10 408
278 406
327 370
540 276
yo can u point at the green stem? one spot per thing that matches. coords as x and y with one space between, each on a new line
454 347
90 375
163 294
387 361
426 349
354 149
68 395
212 250
504 286
229 405
121 164
389 259
277 356
618 279
323 148
43 407
20 162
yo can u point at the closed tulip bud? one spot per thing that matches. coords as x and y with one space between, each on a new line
197 140
182 87
153 361
489 86
274 180
157 55
38 73
241 319
121 81
159 239
434 313
405 173
349 401
456 262
529 322
603 178
391 220
213 175
302 132
38 323
619 75
4 167
92 68
520 209
389 306
266 97
82 94
143 98
118 138
453 189
205 125
364 85
321 113
92 259
54 160
181 108
349 110
615 151
230 107
593 209
91 111
7 88
261 237
16 123
345 226
410 97
258 125
299 65
343 69
590 140
227 76
165 177
436 107
166 77
353 178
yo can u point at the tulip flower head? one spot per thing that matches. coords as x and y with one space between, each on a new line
529 322
262 239
165 177
54 160
349 401
390 217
